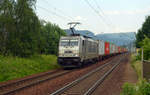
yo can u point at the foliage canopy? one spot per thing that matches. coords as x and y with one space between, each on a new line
143 32
143 38
22 33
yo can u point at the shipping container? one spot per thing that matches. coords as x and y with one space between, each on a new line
121 49
113 49
101 48
110 48
118 49
107 49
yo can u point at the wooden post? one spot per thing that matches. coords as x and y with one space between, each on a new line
142 56
142 63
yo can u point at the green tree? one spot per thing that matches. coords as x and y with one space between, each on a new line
146 48
22 33
6 23
19 27
27 29
52 34
144 31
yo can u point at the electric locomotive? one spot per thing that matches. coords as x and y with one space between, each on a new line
77 50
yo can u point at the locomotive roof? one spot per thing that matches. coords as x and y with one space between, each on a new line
77 36
80 35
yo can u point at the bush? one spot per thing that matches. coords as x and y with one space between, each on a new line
128 89
144 88
146 48
141 88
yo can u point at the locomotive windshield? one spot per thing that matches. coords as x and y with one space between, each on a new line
69 43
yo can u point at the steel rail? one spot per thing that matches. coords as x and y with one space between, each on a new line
26 79
33 83
93 88
63 89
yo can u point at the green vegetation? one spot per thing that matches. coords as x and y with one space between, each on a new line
146 48
136 64
143 41
22 33
140 88
143 32
145 44
15 67
26 42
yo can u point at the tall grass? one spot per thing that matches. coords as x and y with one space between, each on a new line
15 67
137 66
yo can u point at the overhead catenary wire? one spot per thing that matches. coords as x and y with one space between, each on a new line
62 12
53 13
58 10
97 12
99 15
105 16
69 19
101 10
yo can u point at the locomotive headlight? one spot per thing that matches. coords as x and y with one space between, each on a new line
60 54
75 55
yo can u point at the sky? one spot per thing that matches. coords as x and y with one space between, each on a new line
98 16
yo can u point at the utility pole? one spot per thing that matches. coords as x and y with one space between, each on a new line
142 56
73 25
142 59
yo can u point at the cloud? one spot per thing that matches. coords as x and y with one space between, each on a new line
131 12
79 18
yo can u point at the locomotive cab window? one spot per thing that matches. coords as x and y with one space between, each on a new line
69 43
74 43
64 43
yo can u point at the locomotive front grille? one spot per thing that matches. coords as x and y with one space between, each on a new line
68 52
70 59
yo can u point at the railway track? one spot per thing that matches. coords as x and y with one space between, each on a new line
86 84
18 85
14 86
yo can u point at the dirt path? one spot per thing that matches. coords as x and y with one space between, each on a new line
113 84
129 74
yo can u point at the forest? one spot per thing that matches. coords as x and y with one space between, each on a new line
28 45
22 33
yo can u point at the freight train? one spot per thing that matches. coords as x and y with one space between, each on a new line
77 50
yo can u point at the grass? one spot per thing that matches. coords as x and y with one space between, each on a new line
15 67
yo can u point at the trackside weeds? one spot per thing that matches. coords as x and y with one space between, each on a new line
15 67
